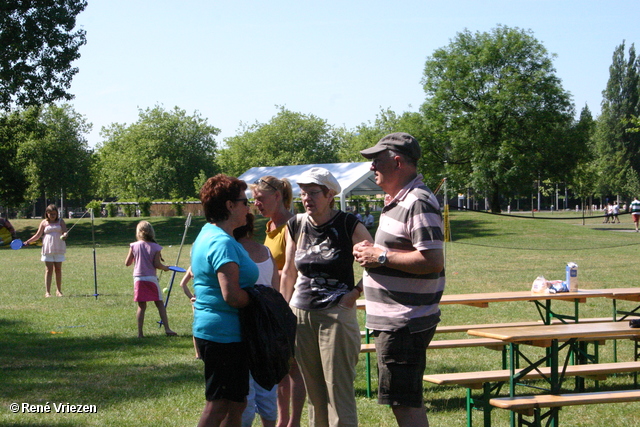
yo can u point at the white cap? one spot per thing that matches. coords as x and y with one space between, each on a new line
319 176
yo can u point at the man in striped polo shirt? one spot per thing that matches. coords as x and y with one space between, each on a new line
404 276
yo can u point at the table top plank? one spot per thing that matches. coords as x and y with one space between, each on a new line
542 334
489 297
483 299
628 294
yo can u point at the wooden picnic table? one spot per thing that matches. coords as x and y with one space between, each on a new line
549 336
543 304
625 294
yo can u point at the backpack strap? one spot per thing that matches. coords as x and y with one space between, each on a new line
297 233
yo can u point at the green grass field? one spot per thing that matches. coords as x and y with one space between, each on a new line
82 350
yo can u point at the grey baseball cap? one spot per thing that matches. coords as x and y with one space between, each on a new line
399 142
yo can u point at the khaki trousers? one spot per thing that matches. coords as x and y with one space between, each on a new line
327 350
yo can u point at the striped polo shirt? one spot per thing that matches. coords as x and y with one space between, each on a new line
394 299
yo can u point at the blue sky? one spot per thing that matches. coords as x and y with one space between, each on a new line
343 61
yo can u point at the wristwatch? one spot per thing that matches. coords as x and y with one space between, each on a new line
382 258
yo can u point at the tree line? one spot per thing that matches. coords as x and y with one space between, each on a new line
496 122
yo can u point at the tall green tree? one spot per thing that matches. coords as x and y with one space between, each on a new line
289 138
16 128
583 180
158 157
618 147
498 112
57 156
635 125
365 135
39 42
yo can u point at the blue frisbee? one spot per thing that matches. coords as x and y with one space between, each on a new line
16 244
178 269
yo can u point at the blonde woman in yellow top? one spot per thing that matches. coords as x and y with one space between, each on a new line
273 198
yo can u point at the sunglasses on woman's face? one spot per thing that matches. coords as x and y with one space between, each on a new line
245 201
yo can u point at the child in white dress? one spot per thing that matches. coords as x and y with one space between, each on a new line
53 231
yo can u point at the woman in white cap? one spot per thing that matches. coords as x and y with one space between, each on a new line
319 284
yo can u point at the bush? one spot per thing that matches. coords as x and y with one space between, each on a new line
178 205
145 206
96 205
112 210
129 210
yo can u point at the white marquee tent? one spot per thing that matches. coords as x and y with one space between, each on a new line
356 179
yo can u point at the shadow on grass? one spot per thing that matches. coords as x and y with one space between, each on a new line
104 371
122 231
446 404
41 424
473 228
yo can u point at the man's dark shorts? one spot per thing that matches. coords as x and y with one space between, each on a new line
402 358
226 370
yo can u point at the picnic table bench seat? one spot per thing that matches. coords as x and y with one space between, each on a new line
490 381
489 343
446 329
476 380
526 404
464 328
457 343
532 405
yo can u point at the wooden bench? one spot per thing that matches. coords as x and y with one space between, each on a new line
491 381
492 344
476 380
532 405
368 348
464 328
461 343
470 342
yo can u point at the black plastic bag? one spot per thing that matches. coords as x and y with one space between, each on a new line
269 329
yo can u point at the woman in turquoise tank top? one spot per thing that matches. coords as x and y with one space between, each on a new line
221 269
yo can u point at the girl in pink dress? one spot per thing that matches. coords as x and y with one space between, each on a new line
146 254
54 233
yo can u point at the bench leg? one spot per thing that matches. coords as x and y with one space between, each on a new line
538 417
368 368
469 408
636 347
480 403
368 363
486 407
483 402
536 422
